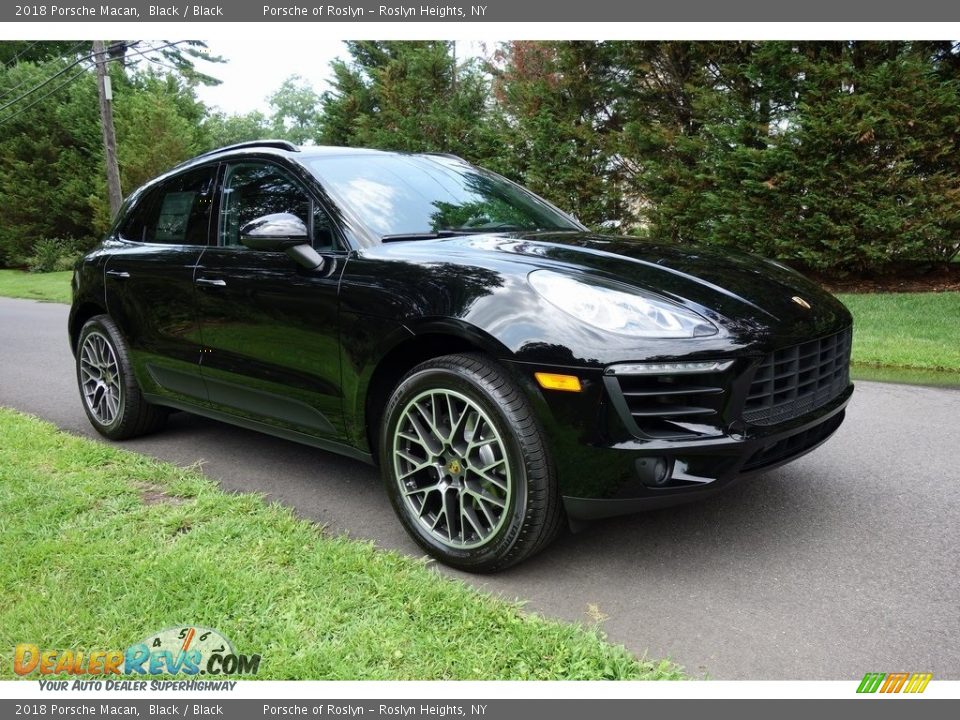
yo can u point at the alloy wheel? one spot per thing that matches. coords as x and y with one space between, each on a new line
100 378
451 465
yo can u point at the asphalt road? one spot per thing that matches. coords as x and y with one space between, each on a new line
844 562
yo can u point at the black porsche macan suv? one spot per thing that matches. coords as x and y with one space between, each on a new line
503 365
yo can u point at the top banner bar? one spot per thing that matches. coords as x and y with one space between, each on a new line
538 11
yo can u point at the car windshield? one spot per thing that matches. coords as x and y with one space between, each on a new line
402 197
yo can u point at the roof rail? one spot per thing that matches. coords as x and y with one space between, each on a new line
446 155
279 144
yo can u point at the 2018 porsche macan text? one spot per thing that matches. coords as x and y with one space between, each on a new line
506 368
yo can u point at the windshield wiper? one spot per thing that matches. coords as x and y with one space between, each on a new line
425 235
449 232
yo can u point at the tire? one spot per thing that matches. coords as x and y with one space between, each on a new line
109 390
477 492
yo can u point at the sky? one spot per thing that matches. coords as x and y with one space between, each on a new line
256 69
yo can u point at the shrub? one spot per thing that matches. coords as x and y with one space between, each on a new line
52 255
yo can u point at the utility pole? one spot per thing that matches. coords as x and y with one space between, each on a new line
453 48
106 122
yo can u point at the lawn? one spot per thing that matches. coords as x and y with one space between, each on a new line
48 287
906 330
101 547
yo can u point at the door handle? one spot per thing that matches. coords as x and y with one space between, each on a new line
211 282
119 274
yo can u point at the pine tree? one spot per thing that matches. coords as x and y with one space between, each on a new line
410 96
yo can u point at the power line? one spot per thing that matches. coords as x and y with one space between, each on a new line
19 54
77 62
152 48
49 80
27 82
62 85
8 118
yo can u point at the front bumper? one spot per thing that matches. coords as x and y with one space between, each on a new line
606 465
699 469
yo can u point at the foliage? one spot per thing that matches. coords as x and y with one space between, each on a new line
50 152
222 129
179 56
34 51
159 124
51 175
312 604
412 96
53 255
836 155
296 111
556 114
839 156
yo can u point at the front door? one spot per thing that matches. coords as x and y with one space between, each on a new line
269 327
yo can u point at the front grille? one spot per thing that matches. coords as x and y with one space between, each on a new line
792 446
672 405
793 381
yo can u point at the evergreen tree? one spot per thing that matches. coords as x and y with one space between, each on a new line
410 96
557 115
52 183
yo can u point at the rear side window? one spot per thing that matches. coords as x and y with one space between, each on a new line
134 227
176 212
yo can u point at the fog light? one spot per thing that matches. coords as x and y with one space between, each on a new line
654 471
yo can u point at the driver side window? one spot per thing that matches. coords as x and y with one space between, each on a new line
252 190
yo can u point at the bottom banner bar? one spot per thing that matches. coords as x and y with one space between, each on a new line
873 707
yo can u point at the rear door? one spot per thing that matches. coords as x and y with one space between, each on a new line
149 282
270 328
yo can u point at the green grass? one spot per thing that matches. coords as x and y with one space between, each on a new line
100 547
906 330
48 287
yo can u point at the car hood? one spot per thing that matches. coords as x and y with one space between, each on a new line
734 284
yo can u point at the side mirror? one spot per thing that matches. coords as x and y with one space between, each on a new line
277 231
282 232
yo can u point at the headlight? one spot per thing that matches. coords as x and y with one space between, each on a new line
625 313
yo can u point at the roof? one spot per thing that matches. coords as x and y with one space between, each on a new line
285 148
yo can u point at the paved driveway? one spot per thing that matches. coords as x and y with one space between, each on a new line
844 562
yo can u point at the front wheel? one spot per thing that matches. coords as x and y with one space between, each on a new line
466 465
111 396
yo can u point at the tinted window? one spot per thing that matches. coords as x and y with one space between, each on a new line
252 190
175 212
134 227
404 194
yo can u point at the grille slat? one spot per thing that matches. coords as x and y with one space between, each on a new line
672 405
795 380
685 390
673 411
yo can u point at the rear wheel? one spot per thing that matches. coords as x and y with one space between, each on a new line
111 396
466 465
